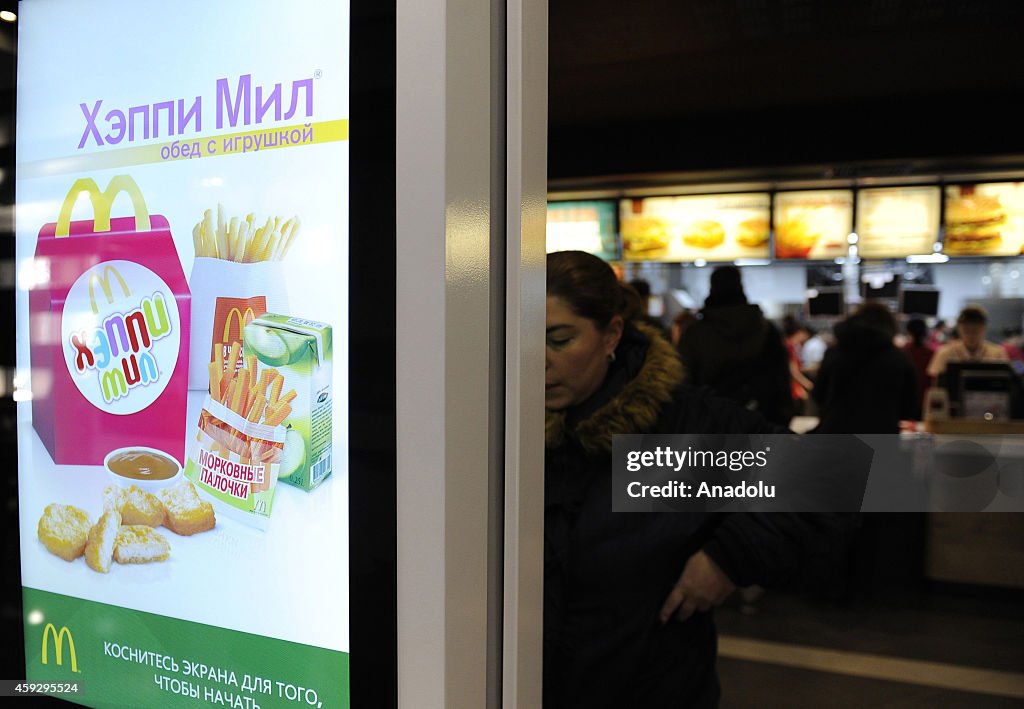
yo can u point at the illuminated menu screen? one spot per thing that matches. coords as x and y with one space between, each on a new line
896 222
182 340
984 220
813 224
583 226
709 227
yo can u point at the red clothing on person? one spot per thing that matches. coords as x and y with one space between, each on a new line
921 357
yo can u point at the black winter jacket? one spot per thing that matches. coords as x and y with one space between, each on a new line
735 351
865 384
607 574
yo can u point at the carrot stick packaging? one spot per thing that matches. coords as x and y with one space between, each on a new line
235 455
298 354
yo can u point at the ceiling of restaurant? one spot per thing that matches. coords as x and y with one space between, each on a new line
681 85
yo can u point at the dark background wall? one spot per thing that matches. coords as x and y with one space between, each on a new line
682 85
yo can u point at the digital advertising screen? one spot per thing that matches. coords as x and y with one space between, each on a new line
182 315
984 219
896 222
721 227
583 226
813 224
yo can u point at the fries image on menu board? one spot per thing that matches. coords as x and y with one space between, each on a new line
239 240
255 397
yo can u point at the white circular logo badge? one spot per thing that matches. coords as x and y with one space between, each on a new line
121 333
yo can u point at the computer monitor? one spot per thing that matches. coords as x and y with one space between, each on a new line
881 290
826 302
919 300
984 390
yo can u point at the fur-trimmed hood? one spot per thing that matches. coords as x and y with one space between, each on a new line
635 407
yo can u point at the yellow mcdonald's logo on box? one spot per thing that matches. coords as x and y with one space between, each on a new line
58 644
242 319
104 281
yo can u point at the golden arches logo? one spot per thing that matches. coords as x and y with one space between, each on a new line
243 320
58 644
104 282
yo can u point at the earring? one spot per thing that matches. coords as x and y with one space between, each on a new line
611 357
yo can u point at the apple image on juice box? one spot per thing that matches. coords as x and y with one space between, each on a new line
301 353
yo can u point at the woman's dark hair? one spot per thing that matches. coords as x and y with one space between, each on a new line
587 285
917 330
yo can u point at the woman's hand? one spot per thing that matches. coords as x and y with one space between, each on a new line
701 586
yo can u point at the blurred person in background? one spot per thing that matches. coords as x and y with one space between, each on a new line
813 351
920 353
866 384
643 290
939 335
680 324
1012 342
971 345
796 334
627 596
736 352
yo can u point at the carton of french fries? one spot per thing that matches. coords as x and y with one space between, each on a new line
237 276
295 357
236 454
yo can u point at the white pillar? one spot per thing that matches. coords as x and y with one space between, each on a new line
471 155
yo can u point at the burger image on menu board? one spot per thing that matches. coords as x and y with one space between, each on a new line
794 239
704 234
752 232
644 237
974 224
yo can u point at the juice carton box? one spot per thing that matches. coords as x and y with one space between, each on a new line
298 353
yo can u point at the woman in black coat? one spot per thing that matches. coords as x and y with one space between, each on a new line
627 595
865 383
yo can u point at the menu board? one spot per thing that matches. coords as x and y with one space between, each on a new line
182 316
721 227
813 224
896 222
984 220
583 226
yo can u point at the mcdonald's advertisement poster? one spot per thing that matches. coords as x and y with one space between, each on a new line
182 343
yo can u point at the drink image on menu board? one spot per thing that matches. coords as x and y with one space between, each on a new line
896 222
984 220
709 227
813 224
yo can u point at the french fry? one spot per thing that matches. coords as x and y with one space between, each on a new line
275 387
229 393
256 412
287 398
291 237
250 364
268 252
239 394
197 239
232 237
215 374
278 414
233 355
241 242
221 231
208 241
